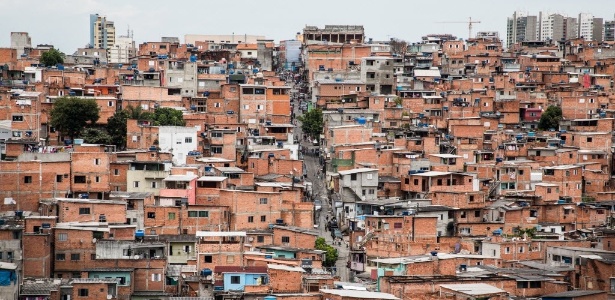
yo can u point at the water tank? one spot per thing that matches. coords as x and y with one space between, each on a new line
78 141
140 233
193 58
206 272
531 134
361 120
270 298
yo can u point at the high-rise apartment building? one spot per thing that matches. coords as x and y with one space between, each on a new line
586 26
609 31
521 27
102 32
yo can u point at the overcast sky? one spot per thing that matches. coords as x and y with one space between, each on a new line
64 23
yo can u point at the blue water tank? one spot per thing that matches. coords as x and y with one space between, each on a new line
361 120
193 58
207 169
60 67
531 134
270 298
192 107
497 232
206 272
140 233
421 116
498 159
519 136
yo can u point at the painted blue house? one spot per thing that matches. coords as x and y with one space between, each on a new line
236 278
123 275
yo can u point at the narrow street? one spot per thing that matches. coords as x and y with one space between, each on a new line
319 191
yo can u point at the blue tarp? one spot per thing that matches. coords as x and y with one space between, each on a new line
6 276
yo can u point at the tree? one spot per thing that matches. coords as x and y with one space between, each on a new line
312 123
137 113
168 117
550 118
398 46
70 115
330 252
52 57
116 127
95 136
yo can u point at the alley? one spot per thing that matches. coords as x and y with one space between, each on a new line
319 191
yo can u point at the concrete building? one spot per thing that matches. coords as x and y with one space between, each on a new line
21 41
123 50
179 141
586 26
378 75
609 31
521 27
334 34
598 29
102 32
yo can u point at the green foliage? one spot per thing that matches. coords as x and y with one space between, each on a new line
52 57
527 232
398 100
116 127
70 115
168 117
312 123
550 118
95 136
330 254
137 113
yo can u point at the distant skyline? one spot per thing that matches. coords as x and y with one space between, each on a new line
64 23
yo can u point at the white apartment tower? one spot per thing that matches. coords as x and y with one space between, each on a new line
586 26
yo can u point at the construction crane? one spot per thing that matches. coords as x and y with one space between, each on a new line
470 22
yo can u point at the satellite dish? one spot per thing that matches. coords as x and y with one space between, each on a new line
183 276
251 239
94 241
136 257
208 277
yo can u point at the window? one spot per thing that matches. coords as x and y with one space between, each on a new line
260 239
75 256
203 214
97 179
285 239
84 210
60 256
79 179
110 103
27 179
477 213
353 177
135 184
151 215
62 237
217 104
188 140
18 118
84 292
59 178
235 279
589 139
209 259
97 161
216 149
116 172
416 182
154 184
171 216
259 107
156 277
397 225
263 218
263 201
250 219
370 176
